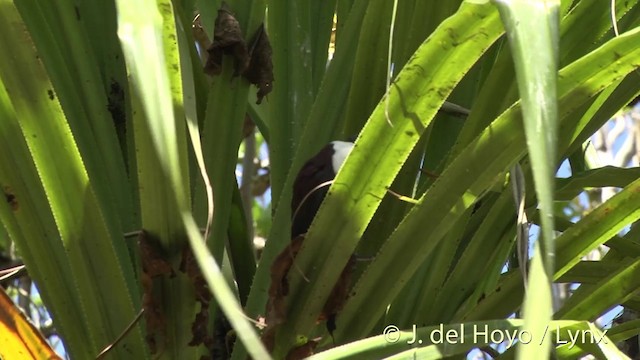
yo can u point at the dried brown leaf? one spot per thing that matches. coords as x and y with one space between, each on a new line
338 296
276 311
154 260
199 329
213 66
260 70
227 40
189 265
154 264
153 315
279 283
279 288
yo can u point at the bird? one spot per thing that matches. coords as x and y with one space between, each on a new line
312 183
309 190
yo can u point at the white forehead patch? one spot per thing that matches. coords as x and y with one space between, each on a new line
340 151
